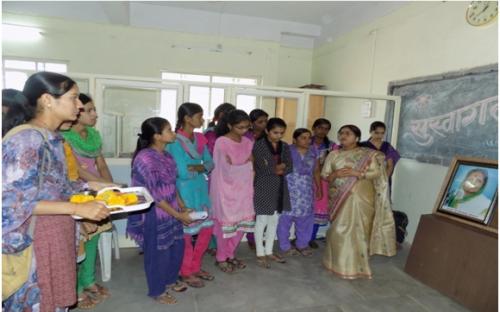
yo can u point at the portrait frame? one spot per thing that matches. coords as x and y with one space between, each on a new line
479 209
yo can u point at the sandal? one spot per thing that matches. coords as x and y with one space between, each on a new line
98 291
262 262
166 298
291 252
86 302
276 258
204 275
306 252
193 281
237 263
225 266
178 286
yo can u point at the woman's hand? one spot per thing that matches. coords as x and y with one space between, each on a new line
250 159
280 169
97 186
319 193
87 228
196 168
93 210
184 217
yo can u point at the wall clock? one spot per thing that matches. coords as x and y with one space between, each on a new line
480 13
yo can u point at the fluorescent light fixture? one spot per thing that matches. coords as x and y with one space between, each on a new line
20 33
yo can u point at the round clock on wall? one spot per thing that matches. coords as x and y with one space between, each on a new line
480 13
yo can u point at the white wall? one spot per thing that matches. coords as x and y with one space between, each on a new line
420 39
131 51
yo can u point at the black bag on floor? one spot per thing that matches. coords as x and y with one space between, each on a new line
401 221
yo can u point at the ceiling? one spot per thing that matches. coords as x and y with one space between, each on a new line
303 24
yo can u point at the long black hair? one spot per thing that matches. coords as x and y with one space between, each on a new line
323 121
186 109
84 98
234 117
45 82
149 128
377 124
257 113
354 129
275 122
17 109
220 111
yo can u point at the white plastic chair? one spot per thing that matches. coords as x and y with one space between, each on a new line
108 241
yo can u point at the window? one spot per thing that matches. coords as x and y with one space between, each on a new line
210 91
17 71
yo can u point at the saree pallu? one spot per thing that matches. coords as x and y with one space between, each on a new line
361 215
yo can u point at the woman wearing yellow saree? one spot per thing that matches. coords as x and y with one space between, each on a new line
360 213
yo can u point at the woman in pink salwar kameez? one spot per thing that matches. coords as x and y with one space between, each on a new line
231 188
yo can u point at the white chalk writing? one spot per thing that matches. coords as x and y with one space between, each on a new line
422 131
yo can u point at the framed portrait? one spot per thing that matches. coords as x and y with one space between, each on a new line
470 191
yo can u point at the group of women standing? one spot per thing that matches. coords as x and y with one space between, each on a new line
239 173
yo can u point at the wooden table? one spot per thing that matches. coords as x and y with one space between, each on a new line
458 260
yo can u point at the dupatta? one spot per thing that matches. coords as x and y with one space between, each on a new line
345 185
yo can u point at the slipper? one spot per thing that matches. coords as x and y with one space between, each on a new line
306 252
86 302
178 286
237 263
276 258
166 298
291 252
225 266
204 275
193 281
262 262
98 291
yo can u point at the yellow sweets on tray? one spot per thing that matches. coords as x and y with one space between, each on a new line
110 197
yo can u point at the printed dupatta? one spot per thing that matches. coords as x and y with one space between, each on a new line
193 149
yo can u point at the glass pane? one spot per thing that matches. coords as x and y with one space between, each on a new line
15 80
234 80
15 64
131 106
40 66
200 78
108 134
55 67
83 84
168 106
200 95
185 77
246 102
171 76
216 99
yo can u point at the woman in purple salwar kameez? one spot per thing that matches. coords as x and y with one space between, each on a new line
306 173
159 231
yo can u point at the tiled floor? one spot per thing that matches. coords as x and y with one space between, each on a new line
301 285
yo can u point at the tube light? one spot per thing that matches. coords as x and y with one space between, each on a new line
20 33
